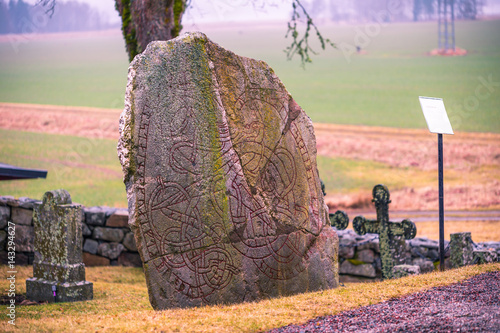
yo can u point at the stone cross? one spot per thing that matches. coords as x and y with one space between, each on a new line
339 220
392 235
58 270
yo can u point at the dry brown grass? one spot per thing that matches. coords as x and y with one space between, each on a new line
120 305
486 230
481 231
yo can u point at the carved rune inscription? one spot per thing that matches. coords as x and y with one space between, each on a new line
224 180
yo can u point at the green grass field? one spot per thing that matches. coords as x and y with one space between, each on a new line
378 88
87 168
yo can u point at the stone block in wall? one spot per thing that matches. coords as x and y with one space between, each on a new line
4 216
372 244
346 251
367 256
129 242
22 258
27 203
118 219
110 250
108 234
366 270
347 245
90 246
3 239
400 271
484 256
425 265
86 232
424 242
94 260
407 258
418 251
95 215
130 259
433 255
25 236
21 216
4 200
492 246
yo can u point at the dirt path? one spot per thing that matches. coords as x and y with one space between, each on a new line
469 154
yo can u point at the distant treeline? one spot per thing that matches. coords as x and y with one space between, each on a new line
389 10
17 16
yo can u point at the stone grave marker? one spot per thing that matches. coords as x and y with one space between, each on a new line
463 253
58 270
461 249
392 235
219 163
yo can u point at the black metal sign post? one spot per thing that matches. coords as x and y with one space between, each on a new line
441 202
438 122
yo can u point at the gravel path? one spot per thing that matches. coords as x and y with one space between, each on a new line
469 306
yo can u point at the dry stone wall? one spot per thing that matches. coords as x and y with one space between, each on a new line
107 240
359 256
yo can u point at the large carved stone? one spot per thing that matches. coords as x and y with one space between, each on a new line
219 164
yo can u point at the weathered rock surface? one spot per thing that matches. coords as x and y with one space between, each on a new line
25 235
484 256
108 234
118 219
461 249
58 270
366 270
110 250
400 271
90 246
93 260
22 216
219 163
4 216
366 256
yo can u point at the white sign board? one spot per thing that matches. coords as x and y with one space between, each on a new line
435 115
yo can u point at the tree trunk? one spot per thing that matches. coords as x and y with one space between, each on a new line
144 21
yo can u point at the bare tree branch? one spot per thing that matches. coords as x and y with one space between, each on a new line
49 6
300 46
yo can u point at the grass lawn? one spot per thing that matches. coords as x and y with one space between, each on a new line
121 304
88 168
380 87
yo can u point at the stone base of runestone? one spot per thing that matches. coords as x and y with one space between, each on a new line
41 290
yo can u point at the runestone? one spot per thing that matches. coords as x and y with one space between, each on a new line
219 164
